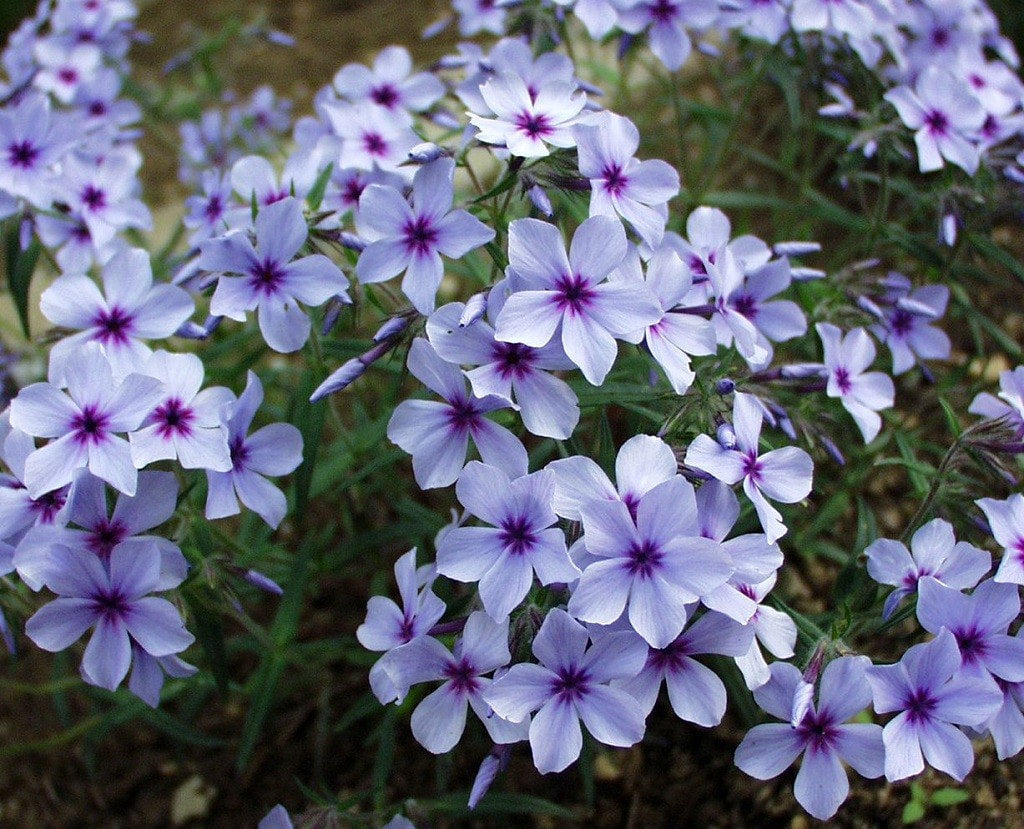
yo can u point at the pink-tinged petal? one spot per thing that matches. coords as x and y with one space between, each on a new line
155 624
60 623
821 784
537 254
602 592
43 411
946 748
529 317
439 720
525 688
108 654
555 736
768 750
261 496
611 716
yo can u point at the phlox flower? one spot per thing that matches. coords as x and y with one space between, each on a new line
437 434
773 630
907 328
946 116
979 623
571 295
511 371
33 138
526 123
264 277
521 542
762 19
440 718
653 567
862 393
253 178
477 16
19 511
823 736
412 239
849 17
930 697
1006 520
116 602
638 191
1008 404
207 211
273 450
390 83
130 310
85 422
389 626
187 424
1007 725
696 693
666 22
571 684
511 55
935 552
371 137
103 195
783 474
62 71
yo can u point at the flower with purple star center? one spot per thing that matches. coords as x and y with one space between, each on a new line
937 122
513 359
615 181
535 125
93 197
22 154
265 277
385 95
517 535
644 559
375 143
570 684
419 235
114 324
843 380
919 705
89 426
463 676
173 418
105 536
573 294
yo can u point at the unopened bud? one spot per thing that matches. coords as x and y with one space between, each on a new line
476 307
802 371
352 241
445 119
801 274
865 303
434 29
391 328
949 229
190 330
540 200
426 152
340 379
796 248
726 436
257 579
25 232
725 386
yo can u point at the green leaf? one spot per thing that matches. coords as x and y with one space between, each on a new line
494 804
995 254
950 796
209 630
21 264
913 811
308 418
315 196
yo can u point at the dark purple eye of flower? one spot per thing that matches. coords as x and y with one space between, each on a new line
902 322
67 75
940 38
105 536
385 95
463 676
274 196
419 235
114 326
614 179
991 126
746 305
93 198
375 143
843 380
462 415
919 705
353 190
112 605
513 359
937 122
407 630
644 559
97 109
22 154
266 277
48 505
485 5
574 294
752 466
670 657
239 452
664 11
571 684
517 535
174 418
534 125
214 208
817 730
697 265
89 426
972 644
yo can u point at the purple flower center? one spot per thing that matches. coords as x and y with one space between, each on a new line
746 305
266 277
214 208
513 359
752 467
173 418
972 644
48 505
407 630
643 559
902 322
534 124
90 426
239 452
67 75
697 265
112 604
615 181
517 535
632 502
570 684
940 37
462 415
664 11
991 127
919 705
353 190
113 326
105 536
419 235
22 154
463 676
843 380
375 144
97 109
671 658
818 731
93 198
937 122
573 294
385 95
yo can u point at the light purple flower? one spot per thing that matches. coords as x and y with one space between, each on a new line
822 735
783 474
599 16
572 294
477 16
19 511
570 684
979 623
389 84
116 603
62 71
763 19
772 628
437 434
907 328
32 139
103 195
273 450
85 421
413 239
389 626
638 191
946 116
269 280
931 697
935 552
1009 403
522 540
147 677
207 212
653 568
440 719
1006 520
512 371
849 17
187 424
666 22
526 122
862 393
696 693
371 137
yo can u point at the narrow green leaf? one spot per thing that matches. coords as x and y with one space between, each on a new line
315 196
209 630
21 264
950 796
913 812
995 254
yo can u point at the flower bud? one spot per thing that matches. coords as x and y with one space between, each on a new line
796 248
476 307
426 152
391 328
540 200
257 579
725 386
340 379
726 436
807 274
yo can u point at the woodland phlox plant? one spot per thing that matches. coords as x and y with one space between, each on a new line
642 415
